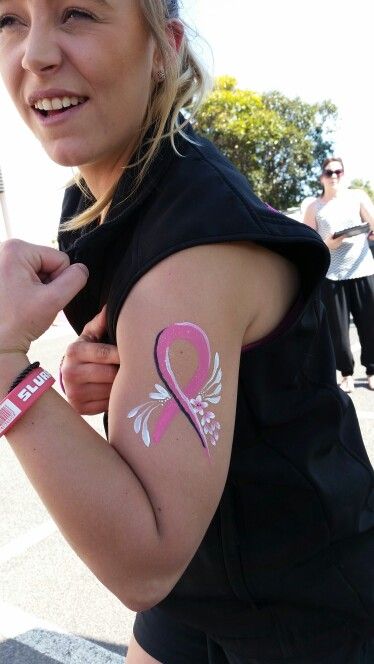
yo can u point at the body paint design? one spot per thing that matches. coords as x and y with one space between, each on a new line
193 399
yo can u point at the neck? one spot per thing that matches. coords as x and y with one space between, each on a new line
333 193
101 176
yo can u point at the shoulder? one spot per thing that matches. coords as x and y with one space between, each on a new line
206 283
309 211
358 196
203 197
362 197
355 194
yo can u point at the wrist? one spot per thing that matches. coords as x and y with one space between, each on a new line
11 364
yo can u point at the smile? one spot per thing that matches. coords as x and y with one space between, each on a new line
48 107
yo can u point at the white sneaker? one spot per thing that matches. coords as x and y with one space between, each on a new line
347 384
371 382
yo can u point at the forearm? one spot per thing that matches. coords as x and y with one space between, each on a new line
92 494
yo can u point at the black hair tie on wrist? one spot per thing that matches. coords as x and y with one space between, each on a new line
23 375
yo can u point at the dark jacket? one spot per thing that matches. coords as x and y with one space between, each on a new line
286 566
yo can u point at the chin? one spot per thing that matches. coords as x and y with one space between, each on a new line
63 156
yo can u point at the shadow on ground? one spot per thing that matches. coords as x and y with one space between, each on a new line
40 646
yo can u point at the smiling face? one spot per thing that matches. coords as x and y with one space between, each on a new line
79 74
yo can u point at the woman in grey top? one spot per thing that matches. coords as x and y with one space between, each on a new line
349 284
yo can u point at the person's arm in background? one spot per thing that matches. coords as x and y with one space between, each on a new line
367 210
310 220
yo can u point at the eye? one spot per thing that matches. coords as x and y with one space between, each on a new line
77 14
7 22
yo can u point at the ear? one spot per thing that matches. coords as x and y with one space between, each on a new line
175 32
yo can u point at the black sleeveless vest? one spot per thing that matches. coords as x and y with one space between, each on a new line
286 568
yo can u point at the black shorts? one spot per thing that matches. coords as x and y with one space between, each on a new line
172 642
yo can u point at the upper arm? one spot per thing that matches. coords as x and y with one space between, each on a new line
310 216
173 403
366 208
179 338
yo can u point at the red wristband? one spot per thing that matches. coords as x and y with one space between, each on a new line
23 396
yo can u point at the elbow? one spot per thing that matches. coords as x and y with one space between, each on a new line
144 594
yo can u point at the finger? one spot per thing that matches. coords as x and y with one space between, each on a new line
88 373
88 392
95 329
67 284
92 408
95 408
48 261
96 353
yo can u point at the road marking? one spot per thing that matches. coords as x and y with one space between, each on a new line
47 639
22 543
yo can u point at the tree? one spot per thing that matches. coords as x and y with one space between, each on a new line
366 186
278 143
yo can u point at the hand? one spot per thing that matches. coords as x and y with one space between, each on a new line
36 283
89 369
334 242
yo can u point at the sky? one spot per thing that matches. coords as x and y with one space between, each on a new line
315 50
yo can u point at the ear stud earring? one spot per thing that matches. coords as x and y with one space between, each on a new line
160 76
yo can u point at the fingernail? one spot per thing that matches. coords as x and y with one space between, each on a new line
84 268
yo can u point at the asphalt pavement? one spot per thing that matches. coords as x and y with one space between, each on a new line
52 609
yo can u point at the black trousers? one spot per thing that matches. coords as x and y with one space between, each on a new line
356 297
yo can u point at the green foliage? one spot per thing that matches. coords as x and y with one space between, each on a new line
366 186
278 143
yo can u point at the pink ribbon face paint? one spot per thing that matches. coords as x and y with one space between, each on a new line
171 398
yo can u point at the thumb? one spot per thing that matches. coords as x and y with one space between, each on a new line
95 329
67 284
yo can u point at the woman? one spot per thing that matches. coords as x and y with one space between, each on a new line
349 284
212 511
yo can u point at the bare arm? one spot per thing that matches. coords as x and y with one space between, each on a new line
367 210
310 216
136 509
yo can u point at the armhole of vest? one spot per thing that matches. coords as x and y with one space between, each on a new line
115 302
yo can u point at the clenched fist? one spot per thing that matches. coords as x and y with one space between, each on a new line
36 282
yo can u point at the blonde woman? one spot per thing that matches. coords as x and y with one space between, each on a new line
213 508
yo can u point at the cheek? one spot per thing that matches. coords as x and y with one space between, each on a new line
7 72
128 85
11 73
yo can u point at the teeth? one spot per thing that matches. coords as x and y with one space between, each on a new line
57 103
47 104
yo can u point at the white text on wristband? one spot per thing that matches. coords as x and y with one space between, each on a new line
22 397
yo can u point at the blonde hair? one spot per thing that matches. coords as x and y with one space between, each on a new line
183 87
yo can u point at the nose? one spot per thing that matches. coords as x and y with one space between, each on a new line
42 53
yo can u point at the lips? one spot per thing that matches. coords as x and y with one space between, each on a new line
47 106
54 101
